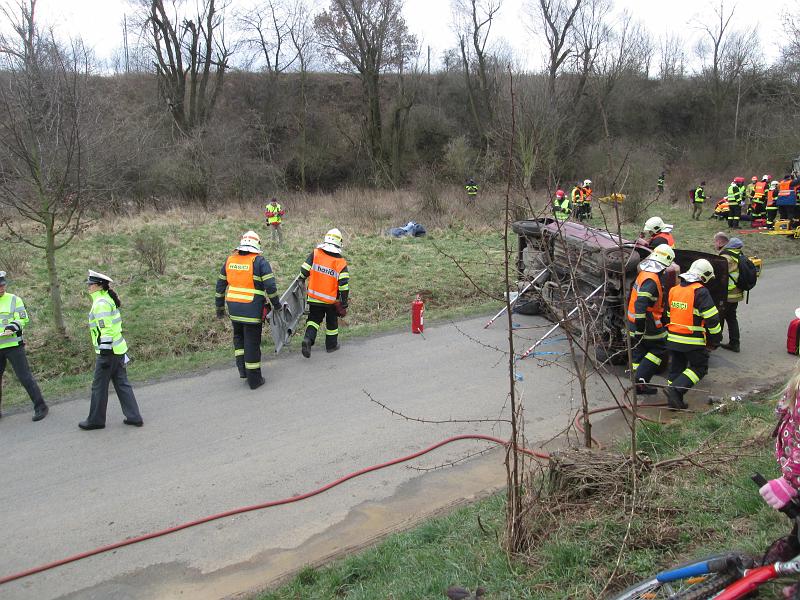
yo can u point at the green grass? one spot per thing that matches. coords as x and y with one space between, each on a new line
687 512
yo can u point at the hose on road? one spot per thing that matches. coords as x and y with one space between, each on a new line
324 488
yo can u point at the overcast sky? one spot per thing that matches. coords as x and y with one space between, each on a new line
99 22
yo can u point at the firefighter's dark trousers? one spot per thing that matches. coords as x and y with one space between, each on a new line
728 317
772 213
734 215
316 312
19 362
647 355
247 349
759 209
687 368
110 369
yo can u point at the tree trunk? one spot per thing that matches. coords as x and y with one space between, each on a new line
52 276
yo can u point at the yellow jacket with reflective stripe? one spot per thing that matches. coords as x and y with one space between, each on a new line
12 316
105 325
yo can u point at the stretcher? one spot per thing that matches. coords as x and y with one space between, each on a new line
283 323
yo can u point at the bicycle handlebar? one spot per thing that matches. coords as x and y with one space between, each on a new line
791 510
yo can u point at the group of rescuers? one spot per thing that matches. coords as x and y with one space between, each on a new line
682 323
245 284
763 201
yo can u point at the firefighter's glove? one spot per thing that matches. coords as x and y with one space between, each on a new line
341 308
777 492
220 312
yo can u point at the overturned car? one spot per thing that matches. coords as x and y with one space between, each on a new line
562 265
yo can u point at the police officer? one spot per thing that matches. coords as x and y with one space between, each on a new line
472 189
105 327
328 289
693 330
735 197
13 319
245 283
646 323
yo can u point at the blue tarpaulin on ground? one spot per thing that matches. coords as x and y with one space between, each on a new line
413 229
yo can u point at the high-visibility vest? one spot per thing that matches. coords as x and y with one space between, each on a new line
735 192
12 310
239 273
472 190
699 195
771 197
785 187
273 212
722 206
577 195
323 282
105 324
760 190
587 195
685 323
657 310
561 208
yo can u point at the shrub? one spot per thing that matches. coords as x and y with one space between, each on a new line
14 259
151 251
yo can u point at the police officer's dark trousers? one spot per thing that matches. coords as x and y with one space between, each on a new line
109 368
316 312
734 215
728 317
687 368
247 348
647 355
19 362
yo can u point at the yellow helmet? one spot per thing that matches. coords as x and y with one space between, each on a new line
663 254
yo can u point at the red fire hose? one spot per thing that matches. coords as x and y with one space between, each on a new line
244 509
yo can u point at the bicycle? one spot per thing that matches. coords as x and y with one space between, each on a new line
723 576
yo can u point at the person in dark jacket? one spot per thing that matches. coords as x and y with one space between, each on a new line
693 330
245 284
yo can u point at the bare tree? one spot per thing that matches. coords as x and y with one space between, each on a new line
190 59
363 37
303 39
474 19
558 20
268 30
43 139
672 58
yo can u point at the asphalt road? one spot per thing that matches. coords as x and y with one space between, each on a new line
209 444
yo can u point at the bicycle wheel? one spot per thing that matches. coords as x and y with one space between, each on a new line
689 581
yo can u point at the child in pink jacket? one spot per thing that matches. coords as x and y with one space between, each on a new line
779 492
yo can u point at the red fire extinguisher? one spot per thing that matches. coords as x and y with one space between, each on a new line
417 315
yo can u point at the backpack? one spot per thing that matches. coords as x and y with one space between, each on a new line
691 194
748 274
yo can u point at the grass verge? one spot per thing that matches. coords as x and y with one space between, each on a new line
680 511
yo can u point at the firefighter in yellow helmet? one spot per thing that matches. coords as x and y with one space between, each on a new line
328 288
245 284
694 329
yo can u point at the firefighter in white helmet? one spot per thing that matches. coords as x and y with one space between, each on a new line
694 329
656 232
245 284
327 288
646 323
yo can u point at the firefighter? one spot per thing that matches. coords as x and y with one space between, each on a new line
245 283
327 289
472 189
561 206
731 249
274 214
660 183
105 326
697 200
735 197
646 325
749 192
758 205
656 232
693 330
576 200
721 209
771 209
587 198
13 319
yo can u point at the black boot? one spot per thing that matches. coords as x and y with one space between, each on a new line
306 347
254 379
732 346
40 412
674 398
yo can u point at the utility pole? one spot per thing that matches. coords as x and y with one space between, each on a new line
429 60
125 42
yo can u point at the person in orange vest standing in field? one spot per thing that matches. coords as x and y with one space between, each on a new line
245 284
327 288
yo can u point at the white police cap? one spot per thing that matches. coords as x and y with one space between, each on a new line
95 277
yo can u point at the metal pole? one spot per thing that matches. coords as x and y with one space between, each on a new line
557 325
514 301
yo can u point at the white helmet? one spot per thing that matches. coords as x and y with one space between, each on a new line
663 254
250 242
774 183
587 182
332 242
703 269
653 225
765 178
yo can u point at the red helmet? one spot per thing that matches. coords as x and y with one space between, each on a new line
754 178
560 193
738 180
